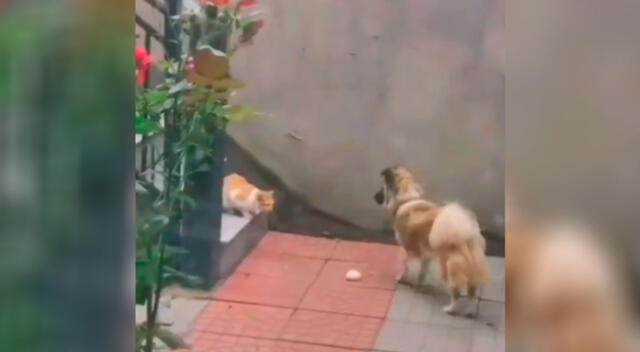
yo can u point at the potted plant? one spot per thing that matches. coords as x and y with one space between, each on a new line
191 108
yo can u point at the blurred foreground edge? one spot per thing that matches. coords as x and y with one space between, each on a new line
564 291
66 176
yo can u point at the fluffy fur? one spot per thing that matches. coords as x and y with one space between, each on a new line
242 196
457 240
427 231
453 225
563 290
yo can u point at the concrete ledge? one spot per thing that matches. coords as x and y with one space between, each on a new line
214 259
238 237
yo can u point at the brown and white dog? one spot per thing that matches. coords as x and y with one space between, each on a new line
449 233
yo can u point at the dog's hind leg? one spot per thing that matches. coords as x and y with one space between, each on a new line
473 291
450 309
422 276
475 299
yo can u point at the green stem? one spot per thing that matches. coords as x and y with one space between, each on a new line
158 289
149 325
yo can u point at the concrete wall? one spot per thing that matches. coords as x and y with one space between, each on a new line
350 87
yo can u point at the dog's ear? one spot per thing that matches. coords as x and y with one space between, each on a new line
379 196
389 177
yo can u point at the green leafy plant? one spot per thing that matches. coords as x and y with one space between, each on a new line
190 108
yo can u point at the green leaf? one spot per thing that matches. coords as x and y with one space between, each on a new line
146 127
168 105
142 294
172 251
201 168
251 28
161 219
180 87
168 66
172 274
241 113
142 270
188 201
156 97
145 280
211 11
152 227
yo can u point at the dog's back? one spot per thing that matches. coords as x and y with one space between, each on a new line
454 225
414 224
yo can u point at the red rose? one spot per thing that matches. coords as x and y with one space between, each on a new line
216 3
143 65
245 5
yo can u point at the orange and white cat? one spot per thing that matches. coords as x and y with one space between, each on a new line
238 194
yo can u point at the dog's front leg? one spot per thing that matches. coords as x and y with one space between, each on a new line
402 277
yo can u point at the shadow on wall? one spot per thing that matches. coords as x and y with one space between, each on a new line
294 214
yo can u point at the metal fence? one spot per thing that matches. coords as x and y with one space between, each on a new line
152 37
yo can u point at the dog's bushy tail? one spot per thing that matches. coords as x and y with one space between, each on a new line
457 227
453 226
467 268
480 267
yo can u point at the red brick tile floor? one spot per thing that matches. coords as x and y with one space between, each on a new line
290 295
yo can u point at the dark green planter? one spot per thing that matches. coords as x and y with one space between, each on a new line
201 225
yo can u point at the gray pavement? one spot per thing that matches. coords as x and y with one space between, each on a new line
416 322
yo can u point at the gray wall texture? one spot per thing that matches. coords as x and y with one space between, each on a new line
350 87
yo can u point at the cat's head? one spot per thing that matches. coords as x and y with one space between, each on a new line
266 200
